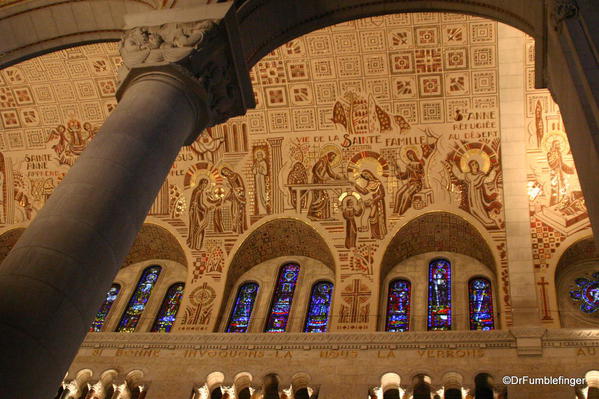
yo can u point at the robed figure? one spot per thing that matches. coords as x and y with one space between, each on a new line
414 174
374 200
322 171
351 210
199 206
260 171
481 203
237 199
558 170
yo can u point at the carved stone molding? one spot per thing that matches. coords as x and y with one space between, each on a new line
198 46
527 341
562 10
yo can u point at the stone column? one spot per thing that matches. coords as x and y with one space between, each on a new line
573 78
277 163
525 311
181 77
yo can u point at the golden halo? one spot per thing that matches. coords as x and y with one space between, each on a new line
549 138
403 152
355 196
475 154
260 151
332 148
372 164
344 195
200 174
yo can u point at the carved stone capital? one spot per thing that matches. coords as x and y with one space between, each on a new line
199 47
562 10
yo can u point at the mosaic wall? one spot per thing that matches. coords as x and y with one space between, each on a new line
359 128
557 206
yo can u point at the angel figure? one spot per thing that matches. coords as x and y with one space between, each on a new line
481 203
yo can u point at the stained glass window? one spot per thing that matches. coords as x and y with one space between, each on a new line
281 299
242 310
138 300
317 319
481 304
586 293
168 311
398 306
111 295
439 295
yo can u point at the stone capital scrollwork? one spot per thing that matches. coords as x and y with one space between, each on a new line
200 47
562 10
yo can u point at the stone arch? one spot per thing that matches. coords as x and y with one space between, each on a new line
53 33
287 20
436 232
273 239
152 242
580 251
155 242
580 259
291 19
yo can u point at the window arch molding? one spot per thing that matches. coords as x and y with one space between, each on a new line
570 315
266 274
579 260
415 269
128 277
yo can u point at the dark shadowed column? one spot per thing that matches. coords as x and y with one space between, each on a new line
181 76
573 78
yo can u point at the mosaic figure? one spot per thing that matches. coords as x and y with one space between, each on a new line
320 206
414 174
375 201
199 205
236 197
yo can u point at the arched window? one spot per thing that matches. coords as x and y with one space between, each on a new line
398 306
481 304
138 300
242 309
439 295
281 299
111 295
317 319
168 311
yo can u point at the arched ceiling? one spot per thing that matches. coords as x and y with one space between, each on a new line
152 242
580 251
155 242
280 237
434 232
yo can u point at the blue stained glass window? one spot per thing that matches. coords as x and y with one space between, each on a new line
586 293
168 311
481 305
439 295
111 295
242 310
138 300
398 306
317 319
282 297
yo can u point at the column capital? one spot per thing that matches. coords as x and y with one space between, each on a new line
562 10
200 48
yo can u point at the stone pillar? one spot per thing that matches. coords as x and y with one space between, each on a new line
525 311
573 78
182 76
277 163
